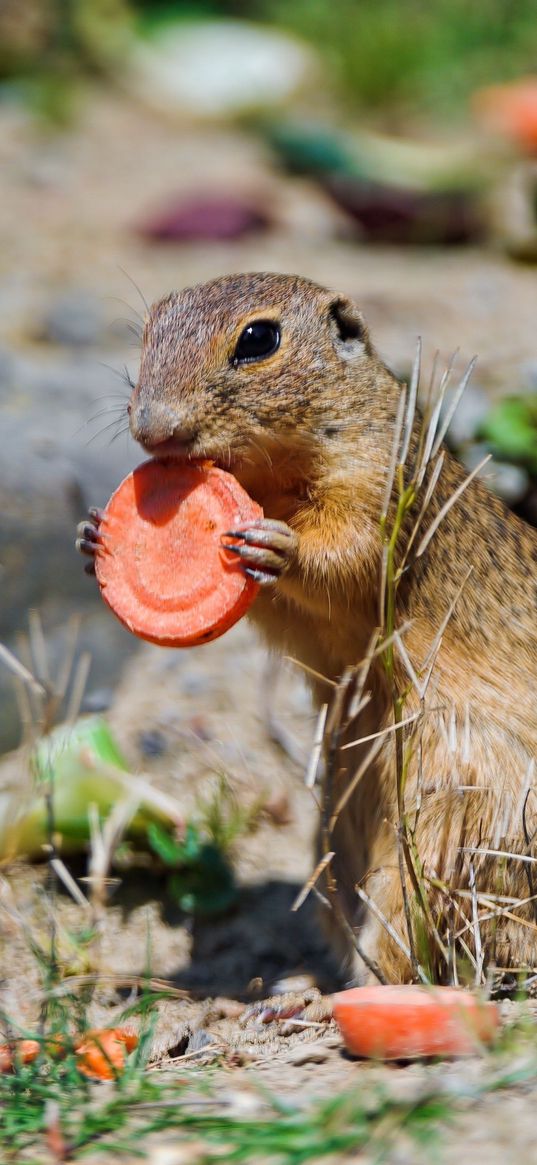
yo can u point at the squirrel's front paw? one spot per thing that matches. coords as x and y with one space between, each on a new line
88 538
266 548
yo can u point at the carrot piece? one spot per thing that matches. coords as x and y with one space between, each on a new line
408 1022
161 565
102 1052
511 109
20 1051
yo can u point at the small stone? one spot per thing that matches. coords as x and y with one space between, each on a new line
152 743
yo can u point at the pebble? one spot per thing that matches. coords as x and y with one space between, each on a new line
152 743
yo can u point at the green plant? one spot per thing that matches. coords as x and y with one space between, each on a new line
510 428
223 818
202 881
409 55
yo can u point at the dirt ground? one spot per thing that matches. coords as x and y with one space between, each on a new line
70 203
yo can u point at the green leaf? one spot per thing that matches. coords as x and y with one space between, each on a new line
170 849
511 430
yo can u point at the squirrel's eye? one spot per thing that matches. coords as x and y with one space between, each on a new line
258 340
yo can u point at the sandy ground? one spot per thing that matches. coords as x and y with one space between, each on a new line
69 205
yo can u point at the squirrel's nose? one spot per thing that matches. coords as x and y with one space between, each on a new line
154 423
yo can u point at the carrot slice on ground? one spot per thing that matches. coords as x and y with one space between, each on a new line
101 1054
161 565
406 1022
20 1051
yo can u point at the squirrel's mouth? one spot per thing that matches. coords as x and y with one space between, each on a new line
175 449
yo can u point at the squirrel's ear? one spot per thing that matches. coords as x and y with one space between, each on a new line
349 323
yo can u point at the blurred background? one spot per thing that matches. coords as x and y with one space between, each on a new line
386 148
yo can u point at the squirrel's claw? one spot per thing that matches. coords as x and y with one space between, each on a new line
266 549
88 537
259 576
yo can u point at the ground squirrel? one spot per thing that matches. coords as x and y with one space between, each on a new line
276 379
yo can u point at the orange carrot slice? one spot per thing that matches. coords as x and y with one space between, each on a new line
102 1053
408 1022
511 109
161 565
20 1051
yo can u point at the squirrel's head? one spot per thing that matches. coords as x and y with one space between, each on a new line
251 371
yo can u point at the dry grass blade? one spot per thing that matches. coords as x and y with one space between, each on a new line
140 787
317 675
497 853
61 871
394 454
104 841
478 945
425 504
448 505
38 647
430 658
497 912
313 763
64 675
14 665
433 423
372 906
77 691
450 412
26 714
362 768
411 404
383 732
308 886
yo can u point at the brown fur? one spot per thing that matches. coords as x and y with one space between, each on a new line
308 432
